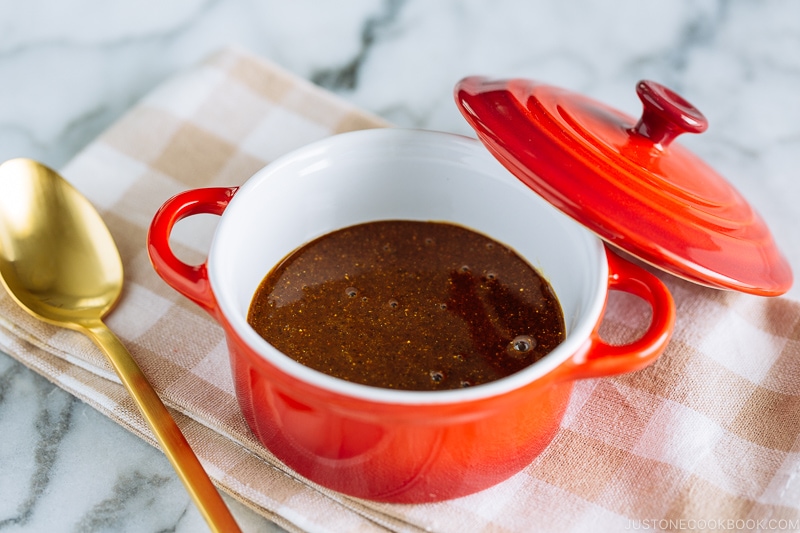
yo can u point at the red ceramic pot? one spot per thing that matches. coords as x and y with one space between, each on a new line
390 445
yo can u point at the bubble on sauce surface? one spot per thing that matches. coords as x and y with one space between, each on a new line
437 376
521 345
351 292
393 303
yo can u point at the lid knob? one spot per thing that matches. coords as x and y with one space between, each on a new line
665 115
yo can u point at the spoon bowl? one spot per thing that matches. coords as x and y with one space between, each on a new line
57 258
59 262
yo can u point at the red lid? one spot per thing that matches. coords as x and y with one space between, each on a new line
626 181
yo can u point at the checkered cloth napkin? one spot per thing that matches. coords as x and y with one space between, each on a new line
706 438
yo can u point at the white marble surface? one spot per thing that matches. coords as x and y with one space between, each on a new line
69 68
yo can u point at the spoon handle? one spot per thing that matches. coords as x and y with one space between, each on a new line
172 441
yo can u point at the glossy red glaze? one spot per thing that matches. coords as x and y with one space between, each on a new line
397 452
596 358
627 181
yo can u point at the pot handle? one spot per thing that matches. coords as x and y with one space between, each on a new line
189 280
596 358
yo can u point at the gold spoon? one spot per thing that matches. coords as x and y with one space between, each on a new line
60 263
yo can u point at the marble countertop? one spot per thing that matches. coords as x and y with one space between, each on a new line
69 69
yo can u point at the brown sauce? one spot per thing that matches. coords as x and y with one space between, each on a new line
408 305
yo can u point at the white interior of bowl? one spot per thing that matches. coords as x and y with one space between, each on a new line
400 174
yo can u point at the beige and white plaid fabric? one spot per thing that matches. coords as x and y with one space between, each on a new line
707 438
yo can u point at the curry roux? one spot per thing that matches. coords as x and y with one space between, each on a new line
408 305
